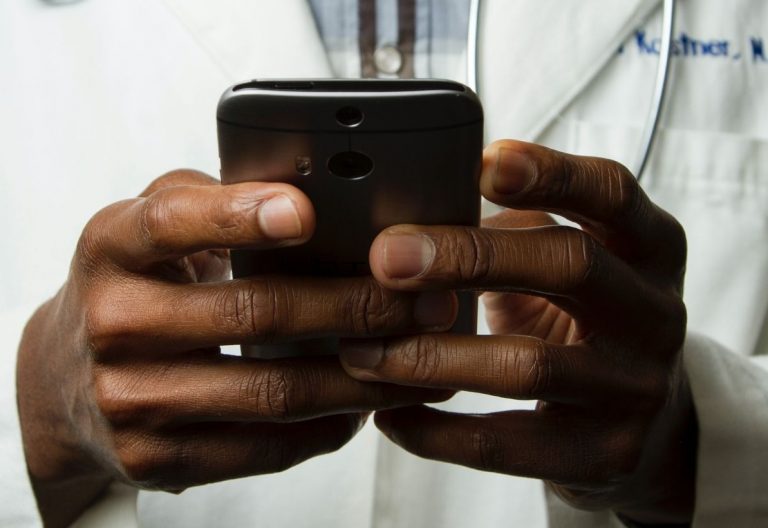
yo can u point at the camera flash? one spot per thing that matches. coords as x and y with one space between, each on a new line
304 165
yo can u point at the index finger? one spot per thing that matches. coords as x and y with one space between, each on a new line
599 194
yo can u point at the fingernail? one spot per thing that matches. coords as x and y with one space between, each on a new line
278 218
514 171
363 354
435 309
407 256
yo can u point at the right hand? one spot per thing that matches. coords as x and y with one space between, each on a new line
120 376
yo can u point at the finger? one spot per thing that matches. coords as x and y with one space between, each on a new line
514 219
563 264
207 453
518 367
160 318
210 266
600 194
528 444
207 266
182 220
521 314
157 394
177 178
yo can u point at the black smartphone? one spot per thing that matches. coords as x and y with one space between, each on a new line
369 154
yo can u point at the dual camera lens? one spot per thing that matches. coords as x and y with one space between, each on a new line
349 116
350 165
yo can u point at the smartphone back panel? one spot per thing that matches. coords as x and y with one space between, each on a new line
369 154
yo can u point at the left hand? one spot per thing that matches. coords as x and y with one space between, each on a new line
590 322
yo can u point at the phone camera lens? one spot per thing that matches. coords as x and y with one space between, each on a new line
350 165
349 116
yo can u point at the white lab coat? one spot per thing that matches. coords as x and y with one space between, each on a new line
99 97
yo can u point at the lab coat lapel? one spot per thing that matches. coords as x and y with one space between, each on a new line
256 38
536 57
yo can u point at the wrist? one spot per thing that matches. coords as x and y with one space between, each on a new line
672 487
629 523
62 502
64 477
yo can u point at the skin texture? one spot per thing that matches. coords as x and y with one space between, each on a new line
589 322
120 376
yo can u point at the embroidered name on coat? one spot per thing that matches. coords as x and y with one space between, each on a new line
687 46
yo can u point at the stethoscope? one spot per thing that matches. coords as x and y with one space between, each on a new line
651 128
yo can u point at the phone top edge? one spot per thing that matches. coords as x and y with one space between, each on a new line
313 104
332 85
336 130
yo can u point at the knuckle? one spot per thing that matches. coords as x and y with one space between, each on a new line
345 429
154 463
111 398
123 399
622 193
236 214
488 449
474 251
625 448
414 440
566 178
677 322
668 319
372 310
107 326
253 307
136 466
615 188
90 246
179 177
280 457
556 178
531 374
421 358
503 144
658 391
678 234
276 455
647 384
141 460
273 393
676 244
583 260
613 456
368 309
157 218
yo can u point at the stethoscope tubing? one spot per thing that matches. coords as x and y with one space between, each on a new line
660 91
661 88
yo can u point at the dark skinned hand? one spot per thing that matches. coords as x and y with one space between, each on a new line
120 375
589 322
